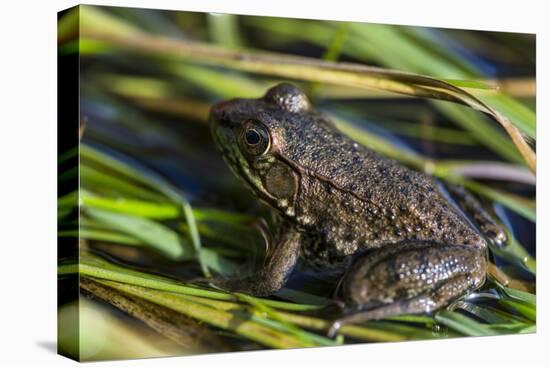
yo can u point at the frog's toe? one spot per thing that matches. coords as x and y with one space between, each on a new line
201 281
216 283
414 305
230 284
498 238
334 329
334 310
248 285
350 316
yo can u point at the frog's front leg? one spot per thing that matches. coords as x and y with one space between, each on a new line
411 277
281 257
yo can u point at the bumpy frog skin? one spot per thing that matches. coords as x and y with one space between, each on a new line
404 246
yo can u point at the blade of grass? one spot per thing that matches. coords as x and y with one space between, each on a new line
155 235
420 319
524 309
489 170
283 324
67 155
518 294
147 87
195 238
101 235
462 324
302 297
484 132
516 253
513 329
483 313
156 210
139 208
522 116
224 29
225 320
91 178
173 325
431 133
229 86
518 204
141 175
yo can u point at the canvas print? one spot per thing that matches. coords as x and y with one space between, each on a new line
238 183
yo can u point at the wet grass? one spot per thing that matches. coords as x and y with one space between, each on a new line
153 217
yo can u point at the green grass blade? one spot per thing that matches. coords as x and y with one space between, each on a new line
195 238
139 208
94 179
102 235
222 319
462 324
155 235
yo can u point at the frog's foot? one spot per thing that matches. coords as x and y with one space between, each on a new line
263 228
333 310
410 278
200 282
259 284
493 231
225 284
216 283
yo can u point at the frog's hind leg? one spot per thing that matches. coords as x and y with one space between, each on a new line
486 223
410 278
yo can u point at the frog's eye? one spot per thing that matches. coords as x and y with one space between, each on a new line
252 137
255 138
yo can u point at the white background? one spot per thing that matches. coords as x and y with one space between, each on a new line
28 182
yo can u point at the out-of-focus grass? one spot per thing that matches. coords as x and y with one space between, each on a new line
301 68
126 204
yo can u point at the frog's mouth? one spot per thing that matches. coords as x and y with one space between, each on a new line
240 168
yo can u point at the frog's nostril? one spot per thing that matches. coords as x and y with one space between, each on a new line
221 107
219 112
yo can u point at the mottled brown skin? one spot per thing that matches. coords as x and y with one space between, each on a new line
405 247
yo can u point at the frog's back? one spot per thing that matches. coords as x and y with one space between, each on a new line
357 198
324 152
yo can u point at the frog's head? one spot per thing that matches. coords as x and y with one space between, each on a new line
253 136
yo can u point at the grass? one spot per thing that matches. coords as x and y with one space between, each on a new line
145 233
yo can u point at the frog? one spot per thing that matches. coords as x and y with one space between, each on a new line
400 242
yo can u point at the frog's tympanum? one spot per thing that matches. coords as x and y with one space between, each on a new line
404 246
